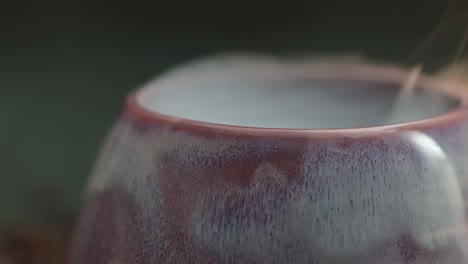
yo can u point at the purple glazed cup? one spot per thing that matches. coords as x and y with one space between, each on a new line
281 162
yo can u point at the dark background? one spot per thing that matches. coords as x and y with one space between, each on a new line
66 66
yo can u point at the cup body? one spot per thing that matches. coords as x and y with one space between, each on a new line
171 190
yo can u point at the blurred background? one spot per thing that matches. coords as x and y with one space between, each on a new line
66 66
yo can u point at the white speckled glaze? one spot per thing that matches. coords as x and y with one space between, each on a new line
174 190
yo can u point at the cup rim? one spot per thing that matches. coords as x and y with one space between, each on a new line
328 70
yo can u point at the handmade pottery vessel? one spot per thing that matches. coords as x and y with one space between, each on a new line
281 162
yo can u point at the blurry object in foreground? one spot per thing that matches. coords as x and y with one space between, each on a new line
34 245
40 240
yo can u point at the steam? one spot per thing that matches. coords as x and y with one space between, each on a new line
406 94
455 73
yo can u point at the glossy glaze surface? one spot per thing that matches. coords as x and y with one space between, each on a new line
171 190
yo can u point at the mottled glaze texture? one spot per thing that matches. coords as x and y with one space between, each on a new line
168 190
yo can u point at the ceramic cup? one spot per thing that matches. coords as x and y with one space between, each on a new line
281 162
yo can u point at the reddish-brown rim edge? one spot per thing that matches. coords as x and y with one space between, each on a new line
355 72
